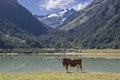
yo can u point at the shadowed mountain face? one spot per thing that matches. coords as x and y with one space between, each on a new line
11 10
96 26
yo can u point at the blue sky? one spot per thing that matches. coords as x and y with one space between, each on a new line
44 7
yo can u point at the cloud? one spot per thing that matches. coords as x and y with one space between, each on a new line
53 4
62 4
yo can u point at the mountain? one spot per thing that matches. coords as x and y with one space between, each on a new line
82 16
11 10
56 19
96 26
18 27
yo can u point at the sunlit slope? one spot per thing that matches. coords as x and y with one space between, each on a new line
96 26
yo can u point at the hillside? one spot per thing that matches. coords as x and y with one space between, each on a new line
96 26
12 11
18 27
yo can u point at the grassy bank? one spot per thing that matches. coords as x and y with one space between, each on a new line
48 75
115 51
63 50
104 53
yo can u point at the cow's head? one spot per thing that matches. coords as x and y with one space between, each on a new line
61 59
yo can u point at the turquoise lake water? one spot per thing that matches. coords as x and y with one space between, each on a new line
37 63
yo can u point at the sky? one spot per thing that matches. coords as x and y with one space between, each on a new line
45 7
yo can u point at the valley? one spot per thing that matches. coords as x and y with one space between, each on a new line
31 45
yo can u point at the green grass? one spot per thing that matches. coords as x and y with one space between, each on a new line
48 75
115 51
103 53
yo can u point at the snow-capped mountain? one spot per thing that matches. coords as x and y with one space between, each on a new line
56 19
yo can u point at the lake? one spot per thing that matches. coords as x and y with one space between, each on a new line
37 63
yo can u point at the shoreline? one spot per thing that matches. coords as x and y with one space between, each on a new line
88 55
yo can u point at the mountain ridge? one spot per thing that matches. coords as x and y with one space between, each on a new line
82 15
54 20
101 30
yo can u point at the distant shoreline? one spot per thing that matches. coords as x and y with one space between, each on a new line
52 51
90 55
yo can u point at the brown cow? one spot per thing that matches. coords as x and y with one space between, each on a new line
72 62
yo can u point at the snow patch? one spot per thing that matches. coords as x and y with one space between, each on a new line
63 12
52 15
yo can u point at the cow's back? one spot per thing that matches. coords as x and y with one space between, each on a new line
71 62
75 62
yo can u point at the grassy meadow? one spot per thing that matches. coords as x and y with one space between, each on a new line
103 53
107 51
48 75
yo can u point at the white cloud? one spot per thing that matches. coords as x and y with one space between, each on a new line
62 4
53 4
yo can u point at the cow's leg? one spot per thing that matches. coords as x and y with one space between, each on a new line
78 67
66 68
81 67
